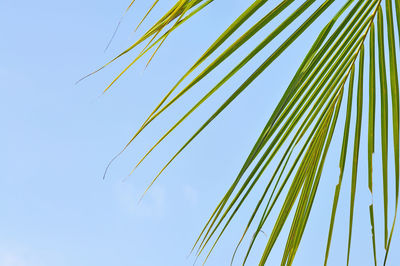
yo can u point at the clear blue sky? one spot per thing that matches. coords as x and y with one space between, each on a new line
57 138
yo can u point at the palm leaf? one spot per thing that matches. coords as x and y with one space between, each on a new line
300 130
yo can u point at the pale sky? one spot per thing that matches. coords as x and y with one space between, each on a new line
57 138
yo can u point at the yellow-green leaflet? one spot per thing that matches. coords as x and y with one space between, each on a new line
353 57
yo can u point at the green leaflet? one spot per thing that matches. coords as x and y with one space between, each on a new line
252 77
213 65
336 100
371 130
371 116
299 132
303 173
384 119
332 84
308 120
394 85
342 160
232 48
153 32
356 146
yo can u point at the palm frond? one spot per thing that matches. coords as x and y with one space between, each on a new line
300 130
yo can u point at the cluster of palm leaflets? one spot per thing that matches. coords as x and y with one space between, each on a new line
298 134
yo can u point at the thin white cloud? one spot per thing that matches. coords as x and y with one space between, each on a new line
190 194
152 205
13 259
